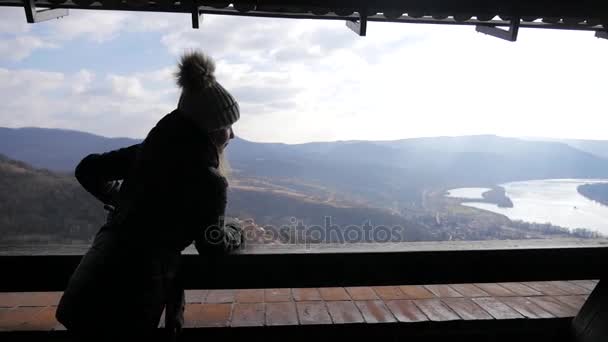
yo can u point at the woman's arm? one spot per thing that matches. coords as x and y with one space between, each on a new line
99 174
216 236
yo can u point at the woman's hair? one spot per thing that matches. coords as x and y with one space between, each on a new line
219 138
223 164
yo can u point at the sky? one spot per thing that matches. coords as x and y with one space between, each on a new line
111 73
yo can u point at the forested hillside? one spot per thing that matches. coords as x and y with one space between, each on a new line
387 183
38 205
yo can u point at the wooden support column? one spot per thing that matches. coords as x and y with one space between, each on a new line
591 323
509 35
359 26
33 15
197 17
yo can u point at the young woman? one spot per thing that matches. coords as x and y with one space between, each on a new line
162 195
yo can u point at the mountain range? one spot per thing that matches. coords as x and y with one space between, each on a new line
352 182
379 173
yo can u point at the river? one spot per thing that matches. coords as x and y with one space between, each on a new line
549 200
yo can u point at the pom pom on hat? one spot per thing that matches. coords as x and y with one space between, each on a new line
195 71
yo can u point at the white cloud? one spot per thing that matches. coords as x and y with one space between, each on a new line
28 81
15 49
17 40
128 87
12 20
116 105
316 80
94 26
82 81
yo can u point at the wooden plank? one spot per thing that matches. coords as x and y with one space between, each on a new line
12 319
526 307
416 292
277 295
389 292
44 320
374 311
220 296
13 299
466 308
436 310
356 248
406 311
8 299
431 246
554 306
281 313
520 289
443 291
196 296
547 288
588 284
342 266
495 290
248 315
469 290
496 308
306 294
379 268
576 302
361 293
313 313
570 288
334 293
249 296
344 311
207 315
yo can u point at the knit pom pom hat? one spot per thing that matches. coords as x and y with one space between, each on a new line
203 98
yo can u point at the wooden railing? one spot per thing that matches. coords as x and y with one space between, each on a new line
272 266
269 266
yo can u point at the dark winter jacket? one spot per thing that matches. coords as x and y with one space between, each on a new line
171 195
172 192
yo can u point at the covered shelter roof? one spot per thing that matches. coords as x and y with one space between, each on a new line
486 15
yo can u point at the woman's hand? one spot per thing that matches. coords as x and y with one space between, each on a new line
233 230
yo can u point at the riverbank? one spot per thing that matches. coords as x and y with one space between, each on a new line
498 196
554 201
493 195
597 192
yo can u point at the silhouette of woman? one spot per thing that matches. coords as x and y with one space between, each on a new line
162 195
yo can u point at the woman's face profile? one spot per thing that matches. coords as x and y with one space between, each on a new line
222 136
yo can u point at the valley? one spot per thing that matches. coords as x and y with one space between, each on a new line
278 188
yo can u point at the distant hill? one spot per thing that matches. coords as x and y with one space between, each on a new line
37 205
385 171
54 149
381 173
596 147
40 206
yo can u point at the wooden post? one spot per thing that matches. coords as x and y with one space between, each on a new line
591 323
510 35
359 26
32 15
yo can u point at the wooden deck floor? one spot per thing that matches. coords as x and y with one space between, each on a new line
35 311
